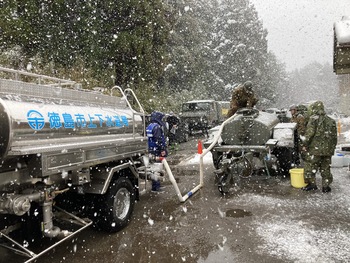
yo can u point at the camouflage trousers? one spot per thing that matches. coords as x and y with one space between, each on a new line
321 164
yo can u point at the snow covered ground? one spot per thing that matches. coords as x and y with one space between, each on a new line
291 225
294 226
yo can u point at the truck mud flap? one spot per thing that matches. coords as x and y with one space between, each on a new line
19 249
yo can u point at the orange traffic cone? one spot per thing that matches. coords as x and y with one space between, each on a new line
200 147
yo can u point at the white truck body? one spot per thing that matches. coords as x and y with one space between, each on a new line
56 141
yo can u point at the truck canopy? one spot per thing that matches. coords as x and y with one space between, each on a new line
197 105
341 56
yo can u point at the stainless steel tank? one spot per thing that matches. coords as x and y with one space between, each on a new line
36 118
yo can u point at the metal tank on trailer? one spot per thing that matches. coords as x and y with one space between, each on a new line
251 142
249 127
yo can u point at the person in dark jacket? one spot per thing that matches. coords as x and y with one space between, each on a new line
243 96
319 143
156 141
173 122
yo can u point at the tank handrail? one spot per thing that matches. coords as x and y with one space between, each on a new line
142 113
126 99
138 102
17 73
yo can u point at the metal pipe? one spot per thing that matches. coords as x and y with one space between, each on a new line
40 77
26 251
128 103
18 204
138 102
49 229
59 242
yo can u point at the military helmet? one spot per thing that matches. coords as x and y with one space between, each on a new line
302 108
248 84
293 107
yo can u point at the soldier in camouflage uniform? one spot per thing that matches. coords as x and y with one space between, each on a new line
302 109
298 119
242 97
320 142
300 131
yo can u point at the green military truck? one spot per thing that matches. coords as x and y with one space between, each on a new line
201 115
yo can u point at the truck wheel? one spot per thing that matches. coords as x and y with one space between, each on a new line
244 168
117 206
224 184
217 158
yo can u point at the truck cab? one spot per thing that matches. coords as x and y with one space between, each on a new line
201 115
341 54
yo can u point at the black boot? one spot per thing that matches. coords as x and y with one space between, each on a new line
326 189
309 187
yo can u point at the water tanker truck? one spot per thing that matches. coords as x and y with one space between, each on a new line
252 142
64 146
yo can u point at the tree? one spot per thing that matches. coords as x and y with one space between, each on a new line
216 45
132 37
313 82
126 38
185 47
239 43
196 48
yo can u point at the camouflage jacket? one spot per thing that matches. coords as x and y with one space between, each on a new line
321 132
300 121
243 97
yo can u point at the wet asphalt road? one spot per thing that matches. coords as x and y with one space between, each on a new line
262 219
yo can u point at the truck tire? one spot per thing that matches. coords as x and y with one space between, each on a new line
117 205
225 183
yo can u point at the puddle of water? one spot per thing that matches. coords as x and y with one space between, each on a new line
237 213
222 255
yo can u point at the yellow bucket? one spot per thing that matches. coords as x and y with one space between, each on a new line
297 177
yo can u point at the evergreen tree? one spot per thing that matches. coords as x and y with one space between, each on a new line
185 47
198 48
126 38
226 45
313 82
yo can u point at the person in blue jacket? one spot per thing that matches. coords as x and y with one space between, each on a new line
156 141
